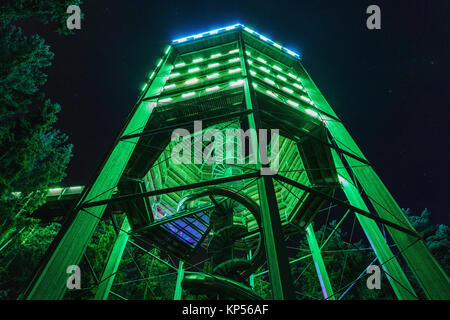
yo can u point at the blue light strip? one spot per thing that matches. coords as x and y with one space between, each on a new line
232 27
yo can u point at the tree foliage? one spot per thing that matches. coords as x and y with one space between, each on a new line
140 276
33 154
436 238
21 256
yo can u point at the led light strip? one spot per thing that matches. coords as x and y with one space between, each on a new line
281 87
231 84
263 61
158 64
294 104
232 27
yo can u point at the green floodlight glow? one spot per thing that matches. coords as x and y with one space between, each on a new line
159 63
298 86
173 75
277 68
277 46
261 60
236 83
212 76
234 51
213 65
151 105
281 77
234 70
170 86
306 99
216 55
250 61
255 85
151 75
144 87
187 95
191 81
292 76
168 49
248 53
179 65
264 69
253 73
312 113
211 89
342 180
194 70
165 100
269 81
288 90
197 60
292 103
233 60
270 93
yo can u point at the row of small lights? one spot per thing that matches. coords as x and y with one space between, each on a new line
158 64
213 56
208 77
196 69
261 60
60 190
216 31
191 94
54 191
274 95
289 102
233 83
216 75
240 82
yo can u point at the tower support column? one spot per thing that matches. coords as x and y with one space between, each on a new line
430 275
49 282
180 276
112 265
276 253
321 270
397 278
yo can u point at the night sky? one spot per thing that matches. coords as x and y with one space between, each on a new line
390 86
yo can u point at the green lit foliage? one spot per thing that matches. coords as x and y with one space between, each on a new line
139 277
436 238
95 257
21 256
262 285
344 262
144 277
33 154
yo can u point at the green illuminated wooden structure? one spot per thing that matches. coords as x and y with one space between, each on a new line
234 77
